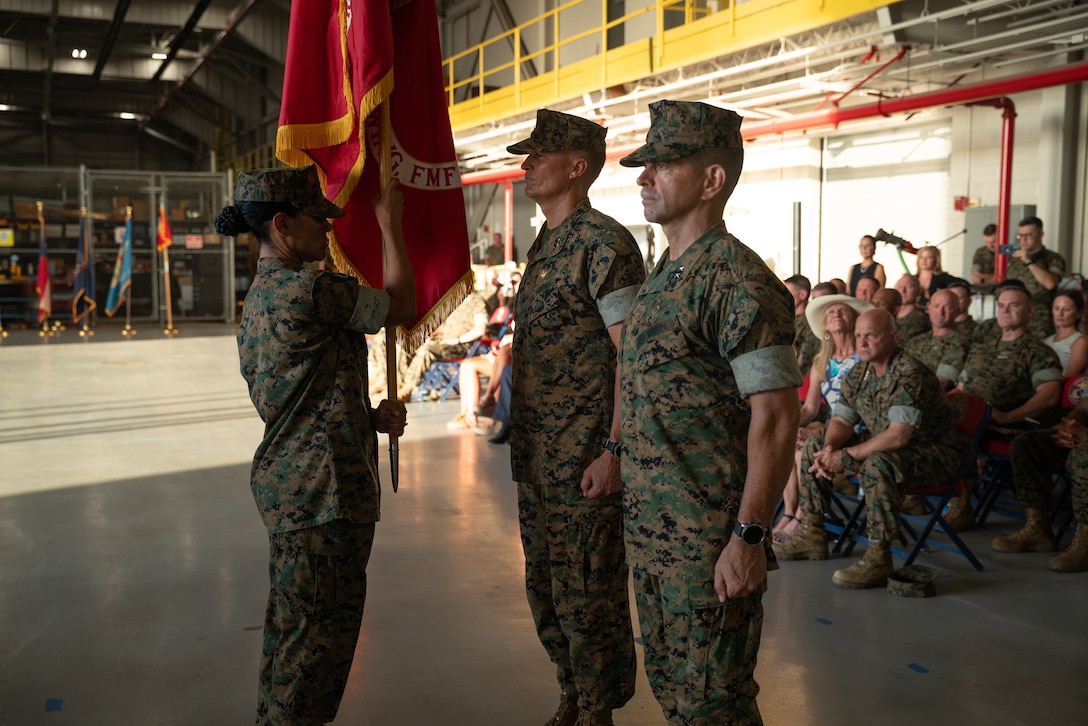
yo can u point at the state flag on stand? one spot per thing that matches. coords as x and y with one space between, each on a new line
165 237
326 119
83 289
43 285
122 273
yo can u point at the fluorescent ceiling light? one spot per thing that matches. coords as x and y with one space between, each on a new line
158 56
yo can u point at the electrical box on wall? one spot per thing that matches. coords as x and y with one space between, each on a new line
976 219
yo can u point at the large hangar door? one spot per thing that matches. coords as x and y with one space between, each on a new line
896 179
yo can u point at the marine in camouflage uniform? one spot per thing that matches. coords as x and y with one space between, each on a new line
1036 456
314 476
707 342
1042 324
983 261
914 323
465 325
581 274
805 342
945 354
1008 373
905 394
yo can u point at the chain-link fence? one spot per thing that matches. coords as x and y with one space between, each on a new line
201 262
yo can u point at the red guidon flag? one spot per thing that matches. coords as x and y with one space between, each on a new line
341 56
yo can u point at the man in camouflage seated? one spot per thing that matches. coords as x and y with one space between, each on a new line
944 348
913 438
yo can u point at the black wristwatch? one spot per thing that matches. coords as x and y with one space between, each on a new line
614 447
847 460
750 533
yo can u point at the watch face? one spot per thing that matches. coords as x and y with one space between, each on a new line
751 534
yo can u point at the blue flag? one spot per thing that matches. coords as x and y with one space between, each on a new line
122 273
83 289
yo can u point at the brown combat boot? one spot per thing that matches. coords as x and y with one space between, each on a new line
594 718
567 714
871 570
1075 557
808 543
960 515
1036 536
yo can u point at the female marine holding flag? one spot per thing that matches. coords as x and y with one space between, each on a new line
315 474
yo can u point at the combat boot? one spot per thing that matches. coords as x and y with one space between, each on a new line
1075 557
808 543
871 570
1036 536
567 713
594 718
960 515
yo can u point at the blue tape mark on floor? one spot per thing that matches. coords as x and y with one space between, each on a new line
639 640
823 621
53 704
917 668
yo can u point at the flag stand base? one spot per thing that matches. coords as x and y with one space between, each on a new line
170 331
86 331
46 331
128 330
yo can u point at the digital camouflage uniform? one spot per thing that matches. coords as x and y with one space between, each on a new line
805 342
1042 322
967 328
983 261
944 354
706 331
907 393
460 321
1034 457
314 477
579 280
914 323
1006 374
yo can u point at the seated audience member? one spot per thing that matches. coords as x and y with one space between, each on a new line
492 292
868 267
1067 341
804 342
866 288
887 298
931 277
502 407
982 264
840 285
465 325
1016 374
1039 269
1034 455
912 438
832 319
474 406
943 349
964 322
911 320
824 288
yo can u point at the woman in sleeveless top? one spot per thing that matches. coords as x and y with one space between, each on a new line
868 267
1067 341
832 320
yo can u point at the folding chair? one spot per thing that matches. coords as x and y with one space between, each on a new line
972 416
442 376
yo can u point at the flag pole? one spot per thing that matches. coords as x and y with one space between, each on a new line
86 331
43 290
170 329
386 166
128 330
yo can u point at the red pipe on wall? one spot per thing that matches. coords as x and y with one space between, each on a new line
1004 192
508 219
833 117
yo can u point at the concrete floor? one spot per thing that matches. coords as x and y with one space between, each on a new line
133 576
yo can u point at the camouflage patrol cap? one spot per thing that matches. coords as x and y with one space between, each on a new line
913 581
680 128
299 187
556 131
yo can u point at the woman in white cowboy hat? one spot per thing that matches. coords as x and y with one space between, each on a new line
831 318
